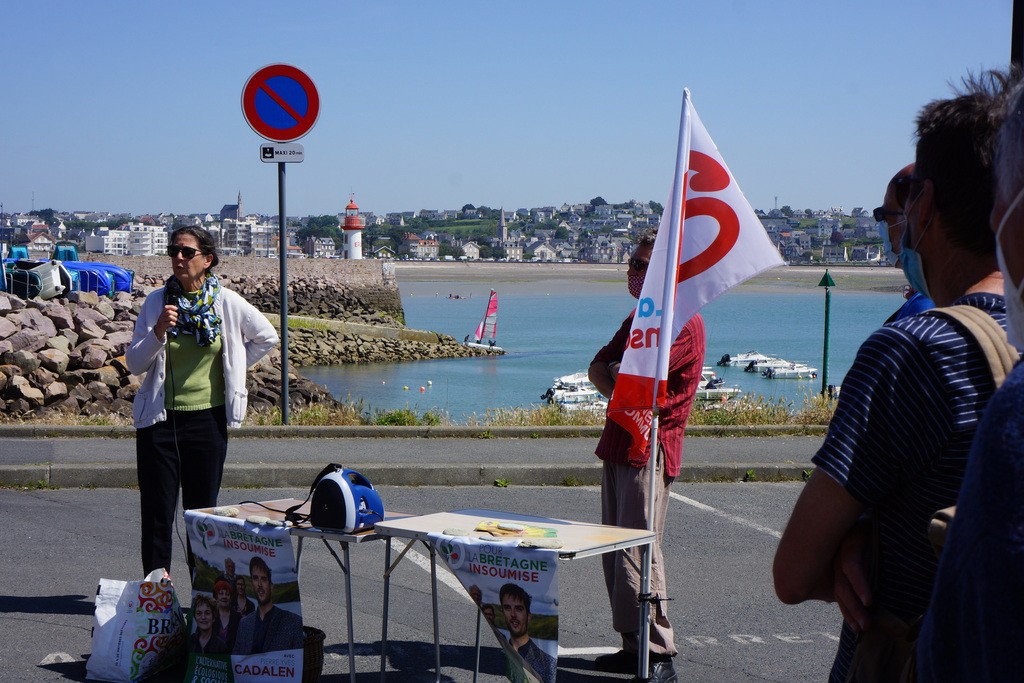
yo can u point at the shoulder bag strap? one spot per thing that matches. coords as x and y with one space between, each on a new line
990 335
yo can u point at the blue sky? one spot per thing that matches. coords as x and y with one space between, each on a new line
135 106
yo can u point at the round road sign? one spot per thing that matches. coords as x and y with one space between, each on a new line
280 103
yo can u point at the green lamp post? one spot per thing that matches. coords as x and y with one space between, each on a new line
826 282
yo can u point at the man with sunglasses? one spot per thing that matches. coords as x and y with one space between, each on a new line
897 444
624 485
891 214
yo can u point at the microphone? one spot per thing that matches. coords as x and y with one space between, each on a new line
172 290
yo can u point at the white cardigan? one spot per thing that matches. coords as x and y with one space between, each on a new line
247 337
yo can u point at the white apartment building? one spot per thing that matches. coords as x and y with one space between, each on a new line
107 241
147 240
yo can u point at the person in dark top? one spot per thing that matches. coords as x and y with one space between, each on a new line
515 606
891 214
203 639
911 403
974 619
625 482
269 628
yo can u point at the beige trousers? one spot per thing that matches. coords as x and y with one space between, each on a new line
624 501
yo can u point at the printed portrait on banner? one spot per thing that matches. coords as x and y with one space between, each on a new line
245 625
516 590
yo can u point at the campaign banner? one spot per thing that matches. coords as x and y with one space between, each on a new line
245 625
516 590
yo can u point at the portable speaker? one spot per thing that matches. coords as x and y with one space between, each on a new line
345 500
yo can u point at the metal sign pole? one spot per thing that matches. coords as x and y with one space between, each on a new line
283 254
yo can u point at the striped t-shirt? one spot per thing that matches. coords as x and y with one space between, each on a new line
899 441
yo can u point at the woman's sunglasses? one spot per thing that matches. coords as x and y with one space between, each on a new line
188 252
638 265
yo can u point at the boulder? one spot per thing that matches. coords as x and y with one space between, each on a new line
88 298
25 360
53 359
56 392
33 319
8 327
27 340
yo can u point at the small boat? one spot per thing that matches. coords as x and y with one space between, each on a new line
712 387
488 327
790 371
743 359
575 392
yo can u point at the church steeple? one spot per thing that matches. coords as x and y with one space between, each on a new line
502 226
241 213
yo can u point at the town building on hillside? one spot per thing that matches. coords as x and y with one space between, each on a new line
233 211
320 247
834 253
415 247
146 240
108 241
471 250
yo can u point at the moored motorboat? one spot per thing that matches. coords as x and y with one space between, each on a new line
712 387
575 392
790 371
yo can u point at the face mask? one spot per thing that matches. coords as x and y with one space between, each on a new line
910 260
1014 304
635 284
887 251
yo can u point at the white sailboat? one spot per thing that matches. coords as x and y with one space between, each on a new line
488 327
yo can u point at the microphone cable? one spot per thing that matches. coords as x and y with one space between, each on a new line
172 291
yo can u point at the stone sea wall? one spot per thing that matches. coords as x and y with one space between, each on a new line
66 355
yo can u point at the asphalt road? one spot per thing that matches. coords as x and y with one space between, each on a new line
729 625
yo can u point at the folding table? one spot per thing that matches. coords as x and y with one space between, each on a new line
579 539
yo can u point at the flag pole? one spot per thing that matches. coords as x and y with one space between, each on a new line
677 216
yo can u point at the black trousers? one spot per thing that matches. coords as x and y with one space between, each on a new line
187 450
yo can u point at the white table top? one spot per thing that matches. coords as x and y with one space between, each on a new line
579 539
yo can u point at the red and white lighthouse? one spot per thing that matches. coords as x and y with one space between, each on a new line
353 231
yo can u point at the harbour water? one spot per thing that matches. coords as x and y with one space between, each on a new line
549 334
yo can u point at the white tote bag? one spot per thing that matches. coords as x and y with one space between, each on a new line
137 629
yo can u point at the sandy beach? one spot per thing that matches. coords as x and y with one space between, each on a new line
428 277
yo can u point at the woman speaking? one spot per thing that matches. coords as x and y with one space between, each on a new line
194 340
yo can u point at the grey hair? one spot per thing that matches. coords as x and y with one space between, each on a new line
1009 164
646 237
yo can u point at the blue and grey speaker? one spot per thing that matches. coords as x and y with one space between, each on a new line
345 500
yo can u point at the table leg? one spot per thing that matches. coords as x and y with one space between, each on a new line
476 669
384 624
345 564
351 629
437 621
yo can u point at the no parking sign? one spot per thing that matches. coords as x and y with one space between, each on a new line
280 103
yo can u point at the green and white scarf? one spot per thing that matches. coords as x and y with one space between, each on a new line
197 317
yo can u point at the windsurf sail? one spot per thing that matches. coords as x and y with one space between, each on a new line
488 327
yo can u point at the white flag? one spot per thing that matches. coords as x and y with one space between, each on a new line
709 240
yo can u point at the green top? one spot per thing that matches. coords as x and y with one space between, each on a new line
195 374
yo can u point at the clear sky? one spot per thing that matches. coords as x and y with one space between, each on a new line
135 106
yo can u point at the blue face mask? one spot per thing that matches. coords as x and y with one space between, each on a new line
913 267
890 255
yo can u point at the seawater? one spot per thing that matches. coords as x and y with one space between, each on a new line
546 335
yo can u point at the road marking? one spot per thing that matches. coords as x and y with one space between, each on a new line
725 515
57 658
443 575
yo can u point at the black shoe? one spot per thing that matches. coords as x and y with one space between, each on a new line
663 672
620 662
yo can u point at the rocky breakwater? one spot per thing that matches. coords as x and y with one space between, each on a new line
66 356
344 311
